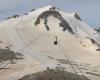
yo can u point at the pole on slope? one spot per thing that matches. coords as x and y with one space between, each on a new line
56 41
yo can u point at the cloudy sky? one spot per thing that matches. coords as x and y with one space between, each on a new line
89 10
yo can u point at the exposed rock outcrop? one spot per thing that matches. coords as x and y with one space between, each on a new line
14 16
94 42
98 29
57 15
77 16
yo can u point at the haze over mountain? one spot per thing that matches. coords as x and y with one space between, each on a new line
34 35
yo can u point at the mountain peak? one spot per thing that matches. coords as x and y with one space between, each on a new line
50 7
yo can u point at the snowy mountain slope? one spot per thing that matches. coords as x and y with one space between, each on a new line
34 34
72 22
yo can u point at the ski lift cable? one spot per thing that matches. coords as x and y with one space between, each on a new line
73 67
67 58
25 47
5 68
21 50
74 64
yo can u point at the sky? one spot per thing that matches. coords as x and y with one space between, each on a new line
89 10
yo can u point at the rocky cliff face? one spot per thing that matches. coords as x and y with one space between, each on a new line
52 12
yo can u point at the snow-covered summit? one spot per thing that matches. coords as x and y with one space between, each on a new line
53 20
